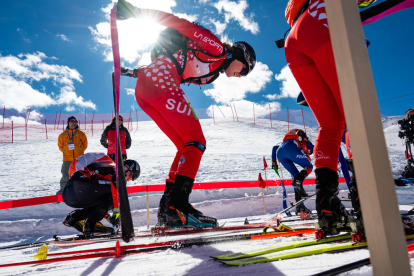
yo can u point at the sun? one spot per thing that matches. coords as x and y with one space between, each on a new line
137 37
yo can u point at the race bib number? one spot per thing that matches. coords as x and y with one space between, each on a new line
71 145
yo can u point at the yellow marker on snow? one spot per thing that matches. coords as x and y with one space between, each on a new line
42 254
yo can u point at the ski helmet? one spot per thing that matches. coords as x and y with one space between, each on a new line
133 167
302 136
246 55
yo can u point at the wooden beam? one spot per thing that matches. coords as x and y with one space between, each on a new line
376 188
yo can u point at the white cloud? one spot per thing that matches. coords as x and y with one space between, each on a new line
130 91
226 90
189 17
21 32
244 109
220 27
236 11
34 115
289 86
18 73
63 37
70 108
203 1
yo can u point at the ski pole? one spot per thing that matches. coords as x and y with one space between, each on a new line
283 189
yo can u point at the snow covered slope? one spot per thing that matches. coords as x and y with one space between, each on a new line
234 152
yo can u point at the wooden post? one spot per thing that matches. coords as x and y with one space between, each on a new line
136 112
303 119
27 121
267 188
148 221
92 127
264 205
254 116
382 219
270 114
46 129
237 117
55 120
288 116
4 113
212 108
230 107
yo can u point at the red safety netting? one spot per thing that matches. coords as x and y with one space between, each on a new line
156 188
33 125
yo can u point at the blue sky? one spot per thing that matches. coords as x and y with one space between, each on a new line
55 55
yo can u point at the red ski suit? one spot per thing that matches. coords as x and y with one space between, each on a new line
310 57
159 95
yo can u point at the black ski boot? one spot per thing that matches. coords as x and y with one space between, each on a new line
180 213
332 215
297 183
92 223
162 208
75 219
303 212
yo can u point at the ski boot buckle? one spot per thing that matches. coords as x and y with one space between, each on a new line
358 237
157 231
320 234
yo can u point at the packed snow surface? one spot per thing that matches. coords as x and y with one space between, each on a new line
234 152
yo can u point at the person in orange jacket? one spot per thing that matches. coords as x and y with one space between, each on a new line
72 143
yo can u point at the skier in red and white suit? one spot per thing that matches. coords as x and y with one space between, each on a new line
310 57
159 95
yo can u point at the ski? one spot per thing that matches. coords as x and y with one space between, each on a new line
284 252
127 225
281 247
142 248
295 253
65 242
351 266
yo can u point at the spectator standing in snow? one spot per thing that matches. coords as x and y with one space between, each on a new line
72 143
109 135
295 149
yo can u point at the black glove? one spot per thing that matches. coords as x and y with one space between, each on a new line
125 10
274 165
133 73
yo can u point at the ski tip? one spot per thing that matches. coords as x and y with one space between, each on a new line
42 254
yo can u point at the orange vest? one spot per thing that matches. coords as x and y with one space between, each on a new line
292 9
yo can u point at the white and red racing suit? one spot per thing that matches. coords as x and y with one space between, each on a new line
310 57
159 95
